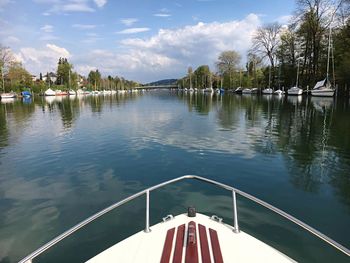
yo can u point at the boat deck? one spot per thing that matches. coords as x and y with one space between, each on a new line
190 240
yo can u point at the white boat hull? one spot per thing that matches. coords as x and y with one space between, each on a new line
148 247
267 91
295 91
323 92
7 95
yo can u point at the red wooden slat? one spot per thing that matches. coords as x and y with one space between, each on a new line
204 244
191 246
168 244
179 244
215 246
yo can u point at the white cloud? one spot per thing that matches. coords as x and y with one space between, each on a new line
126 64
77 7
84 27
47 28
162 15
166 54
134 30
284 20
169 52
60 6
164 12
100 3
42 60
129 21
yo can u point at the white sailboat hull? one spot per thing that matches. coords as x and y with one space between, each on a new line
267 91
323 92
295 91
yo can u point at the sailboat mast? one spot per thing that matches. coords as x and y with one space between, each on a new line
2 77
69 79
298 74
329 51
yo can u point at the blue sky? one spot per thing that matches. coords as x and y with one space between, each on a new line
140 40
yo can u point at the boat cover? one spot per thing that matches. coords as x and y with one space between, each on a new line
26 93
322 84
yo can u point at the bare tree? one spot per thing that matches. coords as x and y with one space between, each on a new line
312 20
266 41
6 57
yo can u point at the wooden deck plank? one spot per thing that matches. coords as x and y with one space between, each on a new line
179 244
204 244
192 244
168 244
215 245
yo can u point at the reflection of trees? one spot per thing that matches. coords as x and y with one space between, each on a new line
201 103
3 126
311 134
69 110
339 141
19 113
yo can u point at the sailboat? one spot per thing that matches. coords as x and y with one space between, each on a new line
324 87
210 89
268 91
5 95
295 90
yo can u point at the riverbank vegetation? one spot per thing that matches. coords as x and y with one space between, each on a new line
14 77
277 50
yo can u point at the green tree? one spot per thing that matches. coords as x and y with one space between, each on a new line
342 55
18 77
64 70
227 64
94 78
202 76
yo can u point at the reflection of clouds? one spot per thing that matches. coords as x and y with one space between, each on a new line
171 125
42 208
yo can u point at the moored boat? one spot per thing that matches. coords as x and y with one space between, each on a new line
247 91
50 92
9 95
61 93
323 88
239 90
254 90
267 91
209 90
26 94
191 237
72 92
295 91
278 92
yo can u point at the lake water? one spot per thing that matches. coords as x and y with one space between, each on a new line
63 159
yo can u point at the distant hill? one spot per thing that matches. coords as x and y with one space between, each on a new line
162 82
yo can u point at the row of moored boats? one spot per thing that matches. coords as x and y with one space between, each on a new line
50 92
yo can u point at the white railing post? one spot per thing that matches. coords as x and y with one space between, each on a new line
147 229
235 216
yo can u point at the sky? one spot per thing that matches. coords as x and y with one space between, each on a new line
141 40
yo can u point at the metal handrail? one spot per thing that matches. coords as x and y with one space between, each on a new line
147 191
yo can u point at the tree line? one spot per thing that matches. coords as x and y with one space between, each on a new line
278 51
14 77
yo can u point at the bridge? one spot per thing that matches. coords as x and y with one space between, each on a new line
159 87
